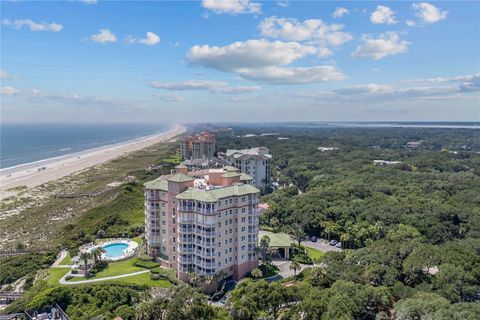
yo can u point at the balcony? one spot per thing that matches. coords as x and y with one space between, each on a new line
205 243
185 250
185 259
205 253
185 240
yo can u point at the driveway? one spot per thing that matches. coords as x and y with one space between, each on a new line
319 245
284 266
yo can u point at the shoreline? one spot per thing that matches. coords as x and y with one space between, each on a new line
42 171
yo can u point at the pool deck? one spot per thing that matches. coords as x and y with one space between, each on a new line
128 252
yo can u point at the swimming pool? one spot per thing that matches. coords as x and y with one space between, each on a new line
115 250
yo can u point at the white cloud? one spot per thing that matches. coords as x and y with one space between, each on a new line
309 30
38 96
34 26
385 45
428 13
204 85
169 97
232 7
340 12
410 23
374 92
89 1
150 39
324 53
249 54
383 15
103 36
8 91
293 75
283 4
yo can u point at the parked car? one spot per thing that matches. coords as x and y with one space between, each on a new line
339 245
313 239
333 242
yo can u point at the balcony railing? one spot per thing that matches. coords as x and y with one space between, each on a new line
205 253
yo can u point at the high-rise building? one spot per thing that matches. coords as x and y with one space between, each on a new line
255 162
205 223
198 146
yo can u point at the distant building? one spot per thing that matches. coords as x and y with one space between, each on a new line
323 149
198 146
414 144
385 162
255 162
203 222
224 132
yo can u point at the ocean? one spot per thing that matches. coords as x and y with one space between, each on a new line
26 143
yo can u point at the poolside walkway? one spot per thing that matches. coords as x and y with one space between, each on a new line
65 282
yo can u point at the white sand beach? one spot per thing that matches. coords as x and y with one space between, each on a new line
40 172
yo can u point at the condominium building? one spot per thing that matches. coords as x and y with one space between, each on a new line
198 146
203 221
254 162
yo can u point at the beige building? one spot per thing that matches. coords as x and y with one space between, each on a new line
198 146
203 221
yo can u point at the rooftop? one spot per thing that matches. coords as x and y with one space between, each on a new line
157 184
213 195
180 177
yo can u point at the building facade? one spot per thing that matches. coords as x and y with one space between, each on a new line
198 146
206 223
255 162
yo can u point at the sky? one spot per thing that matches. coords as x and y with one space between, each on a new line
239 61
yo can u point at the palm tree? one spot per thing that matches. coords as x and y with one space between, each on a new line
329 227
295 266
318 274
262 250
256 273
85 256
192 277
95 253
298 234
101 251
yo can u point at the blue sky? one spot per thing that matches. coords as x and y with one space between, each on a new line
239 60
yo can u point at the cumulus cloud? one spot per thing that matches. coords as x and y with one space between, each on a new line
150 39
340 12
204 85
324 53
232 7
249 54
308 30
32 25
383 15
38 96
103 36
293 75
428 13
283 4
387 44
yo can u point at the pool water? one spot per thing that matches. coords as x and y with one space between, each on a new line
115 250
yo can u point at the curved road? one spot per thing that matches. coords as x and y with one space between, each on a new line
63 281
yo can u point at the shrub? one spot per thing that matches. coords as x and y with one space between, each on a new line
146 264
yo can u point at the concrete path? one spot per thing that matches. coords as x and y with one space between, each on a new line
63 254
284 266
63 281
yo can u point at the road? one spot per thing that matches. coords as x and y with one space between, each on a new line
324 247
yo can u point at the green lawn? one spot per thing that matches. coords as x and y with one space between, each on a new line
137 240
314 253
118 268
55 274
141 279
67 259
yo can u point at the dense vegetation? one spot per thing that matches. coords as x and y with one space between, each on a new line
415 225
14 268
